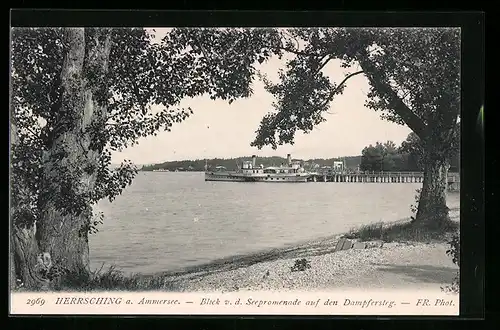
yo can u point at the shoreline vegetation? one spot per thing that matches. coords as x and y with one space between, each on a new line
397 255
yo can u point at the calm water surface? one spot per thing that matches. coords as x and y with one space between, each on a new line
168 221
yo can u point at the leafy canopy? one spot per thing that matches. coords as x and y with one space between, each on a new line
140 74
382 157
413 73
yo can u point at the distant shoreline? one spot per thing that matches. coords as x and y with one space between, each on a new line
198 165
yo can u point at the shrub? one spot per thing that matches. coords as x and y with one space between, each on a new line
414 207
454 253
301 265
454 250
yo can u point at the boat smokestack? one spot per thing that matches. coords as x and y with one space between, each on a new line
289 159
253 160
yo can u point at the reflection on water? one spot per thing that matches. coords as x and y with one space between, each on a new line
167 221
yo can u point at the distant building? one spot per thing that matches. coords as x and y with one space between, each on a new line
338 166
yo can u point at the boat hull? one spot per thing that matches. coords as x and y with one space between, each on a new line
227 177
239 177
283 179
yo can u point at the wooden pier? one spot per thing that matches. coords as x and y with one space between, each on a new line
381 177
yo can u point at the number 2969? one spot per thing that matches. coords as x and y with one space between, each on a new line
35 301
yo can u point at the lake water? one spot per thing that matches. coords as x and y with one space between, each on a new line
167 221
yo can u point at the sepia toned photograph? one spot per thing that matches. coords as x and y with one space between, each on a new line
201 161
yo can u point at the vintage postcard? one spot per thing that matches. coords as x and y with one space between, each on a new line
244 171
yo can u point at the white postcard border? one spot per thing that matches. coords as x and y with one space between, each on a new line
345 302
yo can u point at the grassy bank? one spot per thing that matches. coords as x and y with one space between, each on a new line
409 256
404 231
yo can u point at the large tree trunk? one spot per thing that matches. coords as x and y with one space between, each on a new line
68 165
58 233
26 259
438 135
432 209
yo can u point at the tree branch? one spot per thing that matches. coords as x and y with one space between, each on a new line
296 52
376 78
29 129
292 37
335 91
322 65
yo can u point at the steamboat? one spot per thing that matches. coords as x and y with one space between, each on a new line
250 172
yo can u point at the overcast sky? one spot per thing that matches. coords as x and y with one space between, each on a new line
217 129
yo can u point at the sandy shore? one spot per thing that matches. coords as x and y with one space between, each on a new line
392 266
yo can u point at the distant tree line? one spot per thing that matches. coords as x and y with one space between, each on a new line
406 158
232 163
379 157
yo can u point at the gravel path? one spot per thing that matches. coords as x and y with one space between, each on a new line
395 265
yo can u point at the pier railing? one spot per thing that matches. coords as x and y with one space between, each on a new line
382 177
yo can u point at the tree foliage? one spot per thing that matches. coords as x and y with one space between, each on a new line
414 148
126 94
138 75
388 157
413 73
380 157
413 76
216 62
